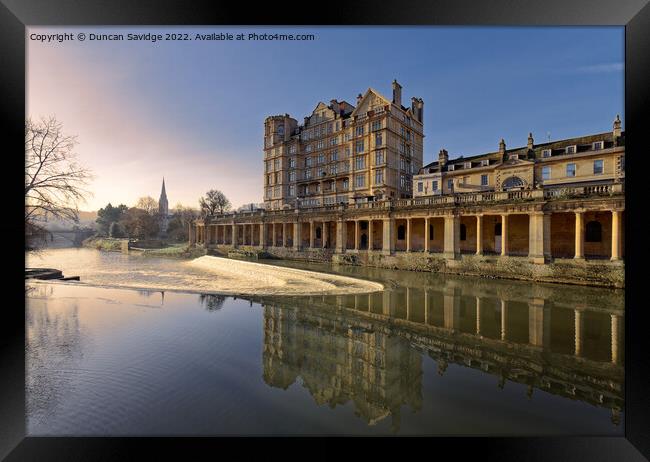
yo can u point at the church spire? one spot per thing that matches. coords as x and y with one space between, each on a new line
163 210
163 204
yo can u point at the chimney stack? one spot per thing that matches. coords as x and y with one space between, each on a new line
359 97
530 142
617 130
502 147
443 157
397 93
416 108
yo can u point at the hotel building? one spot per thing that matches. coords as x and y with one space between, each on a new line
342 153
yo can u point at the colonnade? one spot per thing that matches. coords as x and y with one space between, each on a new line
513 233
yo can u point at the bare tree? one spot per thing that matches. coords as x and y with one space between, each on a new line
213 202
148 204
54 180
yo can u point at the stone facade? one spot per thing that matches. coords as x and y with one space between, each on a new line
511 213
343 153
584 161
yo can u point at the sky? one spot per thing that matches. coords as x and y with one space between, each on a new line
193 111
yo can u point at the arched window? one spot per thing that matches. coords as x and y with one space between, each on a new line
513 182
463 232
593 232
318 233
401 232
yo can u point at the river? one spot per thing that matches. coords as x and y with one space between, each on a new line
151 346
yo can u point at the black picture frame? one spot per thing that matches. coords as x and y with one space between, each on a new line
15 15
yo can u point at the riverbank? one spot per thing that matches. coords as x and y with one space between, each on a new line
106 244
179 251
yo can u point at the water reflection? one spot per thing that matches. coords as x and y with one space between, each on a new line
368 349
212 302
431 354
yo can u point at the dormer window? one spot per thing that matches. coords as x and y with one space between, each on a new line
546 153
598 145
513 156
468 165
570 149
485 162
450 168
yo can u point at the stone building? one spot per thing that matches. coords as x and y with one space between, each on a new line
342 153
547 212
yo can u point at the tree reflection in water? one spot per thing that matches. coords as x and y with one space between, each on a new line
212 302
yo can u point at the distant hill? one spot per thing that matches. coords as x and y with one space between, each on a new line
86 219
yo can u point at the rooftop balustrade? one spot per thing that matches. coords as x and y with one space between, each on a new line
554 193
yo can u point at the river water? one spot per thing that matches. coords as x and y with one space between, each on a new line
148 346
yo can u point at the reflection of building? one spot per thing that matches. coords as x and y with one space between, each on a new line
339 363
369 349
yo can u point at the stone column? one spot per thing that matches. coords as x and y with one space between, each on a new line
388 238
579 327
479 234
312 234
341 235
616 235
357 229
547 236
427 222
324 235
408 234
284 234
580 236
370 234
297 235
536 238
615 328
235 237
504 235
452 237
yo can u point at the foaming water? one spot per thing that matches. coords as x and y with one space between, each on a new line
205 274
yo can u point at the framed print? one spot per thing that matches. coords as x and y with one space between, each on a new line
393 220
